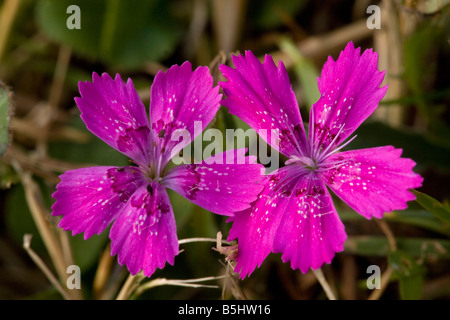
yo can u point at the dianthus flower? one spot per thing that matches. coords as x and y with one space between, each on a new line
134 198
295 215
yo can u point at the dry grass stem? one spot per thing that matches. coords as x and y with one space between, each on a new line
323 45
189 240
385 277
192 283
103 272
130 286
323 282
38 261
40 216
8 14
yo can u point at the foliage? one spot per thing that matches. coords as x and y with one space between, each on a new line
43 61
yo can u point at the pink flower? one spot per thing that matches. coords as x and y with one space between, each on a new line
295 214
143 234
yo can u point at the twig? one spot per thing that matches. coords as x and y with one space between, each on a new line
192 283
103 272
7 15
323 282
388 43
219 59
235 290
56 89
38 261
349 274
152 68
130 285
42 167
322 45
62 65
197 26
27 129
385 277
39 214
388 233
183 241
437 288
66 248
227 19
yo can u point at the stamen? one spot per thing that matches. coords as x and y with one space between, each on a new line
331 144
291 175
296 142
332 165
337 149
293 159
158 168
311 132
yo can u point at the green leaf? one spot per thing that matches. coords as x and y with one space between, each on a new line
421 62
120 32
409 274
438 209
305 70
422 149
416 247
192 222
87 252
269 14
419 218
7 176
50 293
95 151
430 7
5 117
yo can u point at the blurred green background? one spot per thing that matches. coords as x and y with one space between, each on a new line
41 135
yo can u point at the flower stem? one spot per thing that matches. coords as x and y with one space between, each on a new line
38 261
323 282
130 285
385 278
40 216
192 283
188 240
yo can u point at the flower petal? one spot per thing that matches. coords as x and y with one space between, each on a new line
350 92
294 215
225 183
255 229
112 110
144 235
182 101
89 199
310 232
261 95
373 181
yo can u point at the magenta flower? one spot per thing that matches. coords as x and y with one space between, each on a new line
295 215
143 234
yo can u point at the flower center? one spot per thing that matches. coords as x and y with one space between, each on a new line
153 173
307 163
